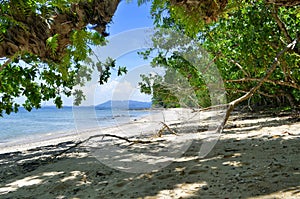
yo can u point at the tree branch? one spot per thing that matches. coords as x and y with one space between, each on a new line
240 67
32 35
286 3
102 135
293 85
5 64
165 126
280 94
281 25
131 141
232 104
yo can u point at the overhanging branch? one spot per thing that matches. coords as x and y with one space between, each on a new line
240 67
274 82
273 66
32 34
285 3
268 74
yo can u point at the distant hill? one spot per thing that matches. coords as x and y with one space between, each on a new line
126 104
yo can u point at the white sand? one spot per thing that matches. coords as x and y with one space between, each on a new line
257 156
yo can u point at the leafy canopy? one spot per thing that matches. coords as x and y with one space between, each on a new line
44 46
242 41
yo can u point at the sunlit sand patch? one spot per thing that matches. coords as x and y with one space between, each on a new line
53 173
73 176
291 193
184 190
28 181
185 159
234 163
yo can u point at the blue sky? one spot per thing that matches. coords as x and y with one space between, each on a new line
128 17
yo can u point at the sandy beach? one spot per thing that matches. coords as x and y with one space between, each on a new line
257 156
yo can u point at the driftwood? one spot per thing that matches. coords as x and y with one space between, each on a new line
230 106
165 126
131 141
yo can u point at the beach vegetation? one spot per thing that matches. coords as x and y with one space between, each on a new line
246 41
44 47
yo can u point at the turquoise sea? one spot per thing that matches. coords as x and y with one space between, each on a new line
50 120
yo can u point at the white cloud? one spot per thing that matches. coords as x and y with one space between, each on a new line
112 90
126 90
123 91
104 92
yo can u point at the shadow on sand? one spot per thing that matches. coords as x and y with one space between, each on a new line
260 166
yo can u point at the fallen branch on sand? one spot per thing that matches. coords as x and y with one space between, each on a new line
131 141
102 135
230 107
165 126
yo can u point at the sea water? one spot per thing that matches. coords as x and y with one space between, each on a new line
56 122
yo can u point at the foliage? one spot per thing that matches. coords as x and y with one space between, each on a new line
183 83
248 41
192 16
44 46
242 44
105 68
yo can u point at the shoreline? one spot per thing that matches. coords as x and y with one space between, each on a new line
256 157
14 135
150 123
27 142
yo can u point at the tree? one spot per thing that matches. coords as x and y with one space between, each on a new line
254 44
186 75
44 46
243 44
194 14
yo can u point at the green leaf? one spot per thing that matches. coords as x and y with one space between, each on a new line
52 43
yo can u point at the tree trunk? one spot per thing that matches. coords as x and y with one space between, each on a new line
234 103
31 36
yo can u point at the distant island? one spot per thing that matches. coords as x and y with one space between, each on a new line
124 104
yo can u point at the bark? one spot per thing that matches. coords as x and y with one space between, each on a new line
210 10
274 82
206 10
286 3
32 35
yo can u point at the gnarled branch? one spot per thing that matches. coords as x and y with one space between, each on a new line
273 66
240 67
286 3
31 36
282 83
